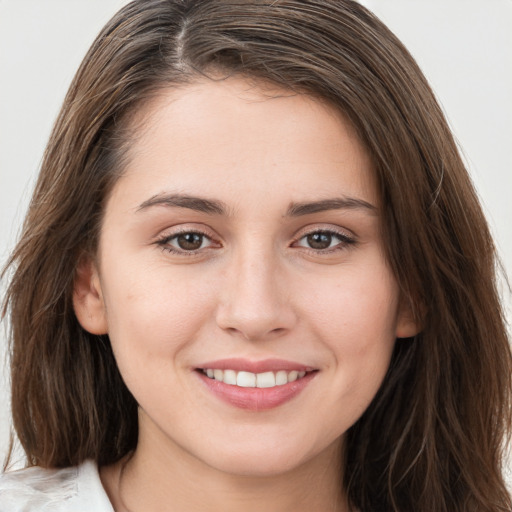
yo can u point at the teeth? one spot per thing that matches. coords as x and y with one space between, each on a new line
254 380
229 377
246 380
265 380
281 377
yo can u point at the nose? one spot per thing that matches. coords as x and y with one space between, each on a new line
255 300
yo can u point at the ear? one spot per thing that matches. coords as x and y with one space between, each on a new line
88 299
408 324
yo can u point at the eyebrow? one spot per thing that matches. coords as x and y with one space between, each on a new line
343 203
199 204
216 207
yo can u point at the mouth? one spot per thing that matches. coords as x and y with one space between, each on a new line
255 386
245 379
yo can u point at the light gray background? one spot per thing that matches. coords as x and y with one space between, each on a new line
463 46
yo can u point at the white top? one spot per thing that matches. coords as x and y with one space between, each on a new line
75 489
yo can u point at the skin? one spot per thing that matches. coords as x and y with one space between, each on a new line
255 289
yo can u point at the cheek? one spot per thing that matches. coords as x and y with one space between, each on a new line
360 304
356 319
152 315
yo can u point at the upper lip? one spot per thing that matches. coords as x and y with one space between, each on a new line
246 365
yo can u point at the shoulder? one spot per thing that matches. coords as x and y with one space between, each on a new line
53 490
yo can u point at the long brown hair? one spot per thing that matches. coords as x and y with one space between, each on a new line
433 437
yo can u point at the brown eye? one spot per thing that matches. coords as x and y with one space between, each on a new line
185 242
189 241
324 241
319 240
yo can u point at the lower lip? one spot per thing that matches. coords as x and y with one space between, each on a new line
256 399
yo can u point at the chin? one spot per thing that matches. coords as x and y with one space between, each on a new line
264 459
262 466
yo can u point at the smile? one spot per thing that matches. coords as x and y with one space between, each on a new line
254 380
255 385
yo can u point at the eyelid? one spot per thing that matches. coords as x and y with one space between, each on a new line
326 228
185 227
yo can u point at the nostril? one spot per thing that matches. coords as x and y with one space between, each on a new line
256 334
255 322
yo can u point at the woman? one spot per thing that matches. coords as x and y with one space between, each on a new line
254 273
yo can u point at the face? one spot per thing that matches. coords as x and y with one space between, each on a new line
241 278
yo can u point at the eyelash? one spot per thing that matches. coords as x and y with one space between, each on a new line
344 242
165 241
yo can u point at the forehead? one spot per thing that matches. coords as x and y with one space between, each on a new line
222 134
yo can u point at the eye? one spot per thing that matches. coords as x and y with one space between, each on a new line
185 242
324 240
